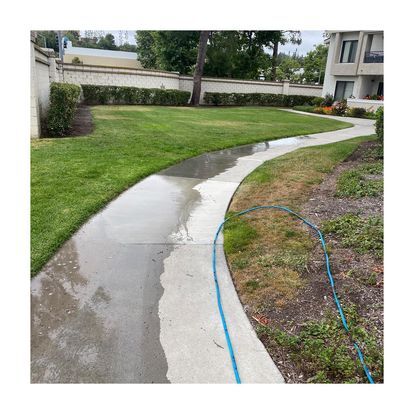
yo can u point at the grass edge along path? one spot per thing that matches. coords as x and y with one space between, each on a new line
74 178
267 255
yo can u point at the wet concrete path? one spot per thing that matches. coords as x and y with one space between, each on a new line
130 297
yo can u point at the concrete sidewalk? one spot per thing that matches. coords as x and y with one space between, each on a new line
130 298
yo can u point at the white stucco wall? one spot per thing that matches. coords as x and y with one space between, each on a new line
42 73
359 72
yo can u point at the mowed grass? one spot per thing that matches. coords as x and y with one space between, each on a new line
72 178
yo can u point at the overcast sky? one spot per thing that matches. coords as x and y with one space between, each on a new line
309 39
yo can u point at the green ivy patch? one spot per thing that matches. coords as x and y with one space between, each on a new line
365 235
323 351
358 182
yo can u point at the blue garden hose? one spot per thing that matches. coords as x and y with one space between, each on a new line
328 271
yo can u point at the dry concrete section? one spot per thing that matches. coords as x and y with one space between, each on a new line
130 298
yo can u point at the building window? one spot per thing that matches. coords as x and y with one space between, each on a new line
380 90
343 90
348 53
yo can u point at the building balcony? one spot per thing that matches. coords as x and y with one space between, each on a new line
374 57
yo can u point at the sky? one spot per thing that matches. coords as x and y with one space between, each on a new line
309 39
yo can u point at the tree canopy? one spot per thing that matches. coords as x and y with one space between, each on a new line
230 54
168 50
314 64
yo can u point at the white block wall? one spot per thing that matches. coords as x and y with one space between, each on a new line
242 86
101 75
45 69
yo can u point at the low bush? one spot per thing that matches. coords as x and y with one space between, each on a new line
265 99
364 234
76 61
317 101
356 112
63 100
319 348
328 100
319 110
305 108
339 108
128 95
359 182
379 123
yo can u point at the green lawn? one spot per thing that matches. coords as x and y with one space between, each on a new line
72 178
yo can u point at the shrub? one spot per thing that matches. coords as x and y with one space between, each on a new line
317 101
365 235
76 61
339 108
319 110
305 108
328 100
268 99
357 182
128 95
63 100
356 112
379 123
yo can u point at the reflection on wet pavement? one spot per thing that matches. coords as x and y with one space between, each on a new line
214 163
95 304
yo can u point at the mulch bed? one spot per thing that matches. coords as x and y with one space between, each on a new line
314 301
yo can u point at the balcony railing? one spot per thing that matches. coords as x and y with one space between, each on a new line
374 57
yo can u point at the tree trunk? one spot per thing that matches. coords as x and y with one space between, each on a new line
198 72
274 57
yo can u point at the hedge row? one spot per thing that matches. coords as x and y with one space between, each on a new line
379 123
128 95
63 100
269 99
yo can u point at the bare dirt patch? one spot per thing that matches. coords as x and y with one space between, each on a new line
82 123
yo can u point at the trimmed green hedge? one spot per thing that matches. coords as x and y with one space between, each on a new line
267 99
128 95
379 123
63 100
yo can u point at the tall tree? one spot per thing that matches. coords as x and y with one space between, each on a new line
236 54
314 64
168 50
146 49
289 67
107 42
252 59
272 40
222 54
198 71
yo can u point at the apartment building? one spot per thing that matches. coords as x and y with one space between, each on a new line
355 66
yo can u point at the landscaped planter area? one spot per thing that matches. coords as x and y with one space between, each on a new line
370 105
351 107
278 268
